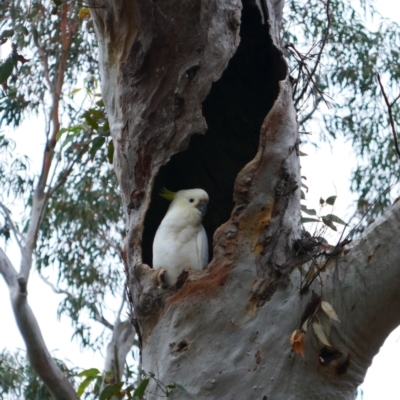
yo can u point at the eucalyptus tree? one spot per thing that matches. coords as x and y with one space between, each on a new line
72 220
169 73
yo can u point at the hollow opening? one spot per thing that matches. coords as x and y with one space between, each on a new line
234 110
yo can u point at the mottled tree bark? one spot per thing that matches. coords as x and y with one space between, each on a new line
172 72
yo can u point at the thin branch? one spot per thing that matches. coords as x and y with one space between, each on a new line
110 243
97 316
317 62
40 199
43 57
121 307
309 114
389 107
310 75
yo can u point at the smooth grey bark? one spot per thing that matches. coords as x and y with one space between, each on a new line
39 357
37 352
123 339
224 332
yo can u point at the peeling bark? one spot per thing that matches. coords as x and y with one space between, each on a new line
224 332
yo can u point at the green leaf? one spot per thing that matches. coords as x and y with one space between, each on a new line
69 138
336 219
181 388
109 374
110 391
171 386
100 103
129 388
328 222
106 128
139 392
96 145
96 113
74 91
84 384
97 385
90 372
331 200
305 220
60 132
7 33
302 154
75 128
110 152
307 210
302 195
6 69
91 122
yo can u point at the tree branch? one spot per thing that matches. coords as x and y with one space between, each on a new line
389 107
40 198
97 316
38 354
122 340
363 288
302 62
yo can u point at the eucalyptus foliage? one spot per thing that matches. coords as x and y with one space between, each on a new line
343 96
19 381
53 57
79 240
40 34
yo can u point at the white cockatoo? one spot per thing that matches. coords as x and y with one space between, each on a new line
181 241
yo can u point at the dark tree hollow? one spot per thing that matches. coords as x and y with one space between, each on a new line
234 111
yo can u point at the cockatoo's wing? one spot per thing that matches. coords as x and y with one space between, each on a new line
181 241
202 248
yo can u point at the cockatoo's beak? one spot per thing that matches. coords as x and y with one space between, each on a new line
202 206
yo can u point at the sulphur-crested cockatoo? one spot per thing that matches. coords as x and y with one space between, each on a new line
181 241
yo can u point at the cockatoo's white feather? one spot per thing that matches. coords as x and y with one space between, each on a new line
181 241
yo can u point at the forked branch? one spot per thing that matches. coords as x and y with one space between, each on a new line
389 108
38 354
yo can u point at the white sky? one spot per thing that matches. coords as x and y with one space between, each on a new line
328 172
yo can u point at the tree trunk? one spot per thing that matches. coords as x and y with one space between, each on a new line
170 72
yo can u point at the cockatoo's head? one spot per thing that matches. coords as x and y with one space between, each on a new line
190 203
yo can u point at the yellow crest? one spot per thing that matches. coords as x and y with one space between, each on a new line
167 194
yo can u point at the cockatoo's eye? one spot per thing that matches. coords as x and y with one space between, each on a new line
191 200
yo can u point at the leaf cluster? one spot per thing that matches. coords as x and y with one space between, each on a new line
42 33
80 237
19 381
345 80
104 386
